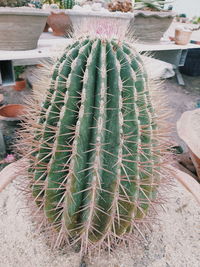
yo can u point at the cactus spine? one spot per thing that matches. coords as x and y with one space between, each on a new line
68 4
95 154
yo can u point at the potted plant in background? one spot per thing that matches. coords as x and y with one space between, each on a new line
123 6
103 17
183 35
20 82
58 21
36 4
183 18
151 20
195 20
20 28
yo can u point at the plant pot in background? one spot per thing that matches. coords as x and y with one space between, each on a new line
182 37
46 28
196 162
20 85
60 23
20 28
84 21
149 26
188 131
12 112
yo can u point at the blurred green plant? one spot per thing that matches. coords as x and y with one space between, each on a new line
13 3
36 4
50 2
195 20
18 72
157 5
183 15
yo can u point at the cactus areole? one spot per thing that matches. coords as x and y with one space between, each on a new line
94 168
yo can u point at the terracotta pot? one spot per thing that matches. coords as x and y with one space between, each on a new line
20 28
12 111
182 37
60 23
19 85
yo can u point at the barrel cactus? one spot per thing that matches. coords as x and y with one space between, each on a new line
68 4
95 151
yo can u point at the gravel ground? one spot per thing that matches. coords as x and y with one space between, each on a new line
173 242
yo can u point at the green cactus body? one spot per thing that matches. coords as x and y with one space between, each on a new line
68 4
95 171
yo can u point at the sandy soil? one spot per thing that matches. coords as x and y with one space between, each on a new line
174 242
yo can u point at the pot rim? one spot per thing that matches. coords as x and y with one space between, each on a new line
117 14
25 11
159 14
16 118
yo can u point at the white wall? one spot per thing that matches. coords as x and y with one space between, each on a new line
189 7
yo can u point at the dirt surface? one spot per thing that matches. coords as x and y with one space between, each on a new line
173 242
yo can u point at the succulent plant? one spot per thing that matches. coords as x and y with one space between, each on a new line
123 6
68 4
36 4
52 2
13 3
94 145
19 70
151 4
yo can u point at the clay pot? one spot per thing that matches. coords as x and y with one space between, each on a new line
20 28
46 28
196 162
182 37
10 172
60 23
12 111
187 181
19 85
85 21
188 130
149 26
